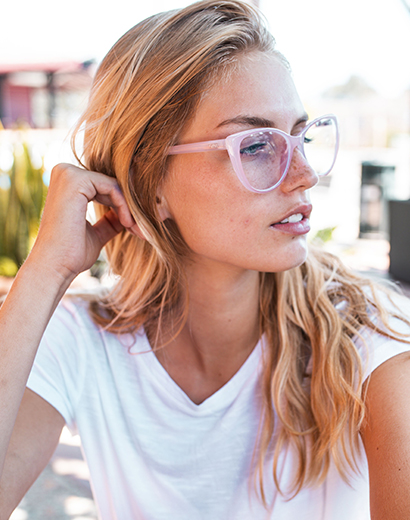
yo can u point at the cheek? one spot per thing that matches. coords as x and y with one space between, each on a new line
243 225
208 208
196 191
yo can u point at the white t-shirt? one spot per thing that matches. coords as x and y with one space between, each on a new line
152 453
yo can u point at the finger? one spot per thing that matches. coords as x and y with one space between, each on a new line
93 186
107 227
115 199
102 189
108 193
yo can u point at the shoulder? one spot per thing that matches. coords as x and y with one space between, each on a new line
386 436
387 333
71 336
386 430
72 318
70 332
72 328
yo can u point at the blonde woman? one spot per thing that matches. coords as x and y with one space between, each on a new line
227 374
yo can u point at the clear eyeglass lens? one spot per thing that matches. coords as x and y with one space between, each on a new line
264 158
320 145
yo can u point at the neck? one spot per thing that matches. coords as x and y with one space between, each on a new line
221 330
223 309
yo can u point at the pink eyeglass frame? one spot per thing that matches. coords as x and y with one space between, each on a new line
232 145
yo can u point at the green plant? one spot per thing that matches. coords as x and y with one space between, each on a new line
21 204
323 235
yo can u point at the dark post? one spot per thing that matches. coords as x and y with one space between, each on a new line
400 239
51 89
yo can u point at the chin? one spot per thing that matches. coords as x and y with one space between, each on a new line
288 260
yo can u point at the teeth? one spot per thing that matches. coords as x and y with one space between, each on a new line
292 219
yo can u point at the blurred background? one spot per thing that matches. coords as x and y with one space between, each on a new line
350 58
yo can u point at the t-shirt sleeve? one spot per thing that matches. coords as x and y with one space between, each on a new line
59 367
378 348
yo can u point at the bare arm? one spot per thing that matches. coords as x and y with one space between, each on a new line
386 439
66 245
35 437
23 319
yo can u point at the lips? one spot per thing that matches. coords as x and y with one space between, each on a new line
296 215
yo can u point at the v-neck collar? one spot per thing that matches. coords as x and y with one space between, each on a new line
219 399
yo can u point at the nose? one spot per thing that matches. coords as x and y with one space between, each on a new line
300 174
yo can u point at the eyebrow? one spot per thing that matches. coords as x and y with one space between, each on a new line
257 122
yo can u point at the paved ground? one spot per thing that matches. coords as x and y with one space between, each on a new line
63 492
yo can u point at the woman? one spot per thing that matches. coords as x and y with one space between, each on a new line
227 374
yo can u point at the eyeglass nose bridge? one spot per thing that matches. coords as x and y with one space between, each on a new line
296 141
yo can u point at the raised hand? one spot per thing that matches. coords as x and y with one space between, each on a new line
67 243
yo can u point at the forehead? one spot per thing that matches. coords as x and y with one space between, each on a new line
257 85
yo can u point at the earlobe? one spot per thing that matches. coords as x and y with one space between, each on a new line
162 208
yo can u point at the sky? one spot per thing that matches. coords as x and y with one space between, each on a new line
326 41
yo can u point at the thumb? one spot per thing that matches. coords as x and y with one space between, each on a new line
107 227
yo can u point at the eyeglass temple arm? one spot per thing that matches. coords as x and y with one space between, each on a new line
204 146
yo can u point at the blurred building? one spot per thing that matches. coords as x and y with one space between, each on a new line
43 95
373 165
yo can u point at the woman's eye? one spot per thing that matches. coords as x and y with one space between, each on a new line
308 140
255 148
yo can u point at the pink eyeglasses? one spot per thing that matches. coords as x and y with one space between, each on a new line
261 157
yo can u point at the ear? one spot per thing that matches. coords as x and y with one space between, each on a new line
162 206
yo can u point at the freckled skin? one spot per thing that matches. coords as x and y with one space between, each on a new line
221 221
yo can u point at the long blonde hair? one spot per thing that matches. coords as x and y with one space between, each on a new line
144 93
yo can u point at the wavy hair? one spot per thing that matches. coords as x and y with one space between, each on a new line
144 93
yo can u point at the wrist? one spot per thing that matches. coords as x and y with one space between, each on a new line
37 271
